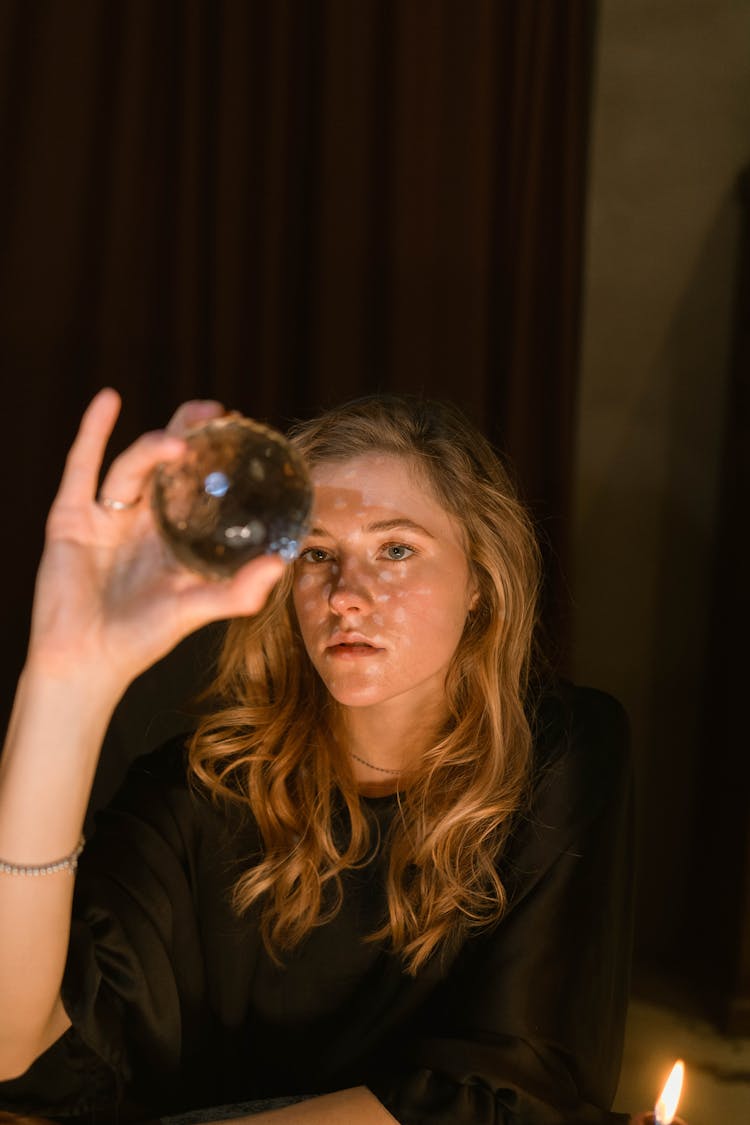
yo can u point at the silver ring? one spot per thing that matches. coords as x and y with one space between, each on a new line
118 505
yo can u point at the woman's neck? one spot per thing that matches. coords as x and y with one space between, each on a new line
385 742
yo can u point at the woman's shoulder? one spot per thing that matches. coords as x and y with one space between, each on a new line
565 716
157 791
167 764
160 815
581 780
581 740
157 776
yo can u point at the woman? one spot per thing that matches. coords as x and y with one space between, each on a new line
393 871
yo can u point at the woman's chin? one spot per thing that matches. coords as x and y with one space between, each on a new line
356 691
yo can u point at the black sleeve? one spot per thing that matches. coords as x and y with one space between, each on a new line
529 1027
134 972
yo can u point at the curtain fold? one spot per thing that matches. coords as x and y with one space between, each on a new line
715 950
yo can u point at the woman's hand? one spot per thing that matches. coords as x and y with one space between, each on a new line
109 594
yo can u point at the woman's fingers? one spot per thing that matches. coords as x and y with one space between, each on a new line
127 480
128 477
192 413
82 465
107 582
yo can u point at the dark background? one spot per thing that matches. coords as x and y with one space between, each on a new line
283 205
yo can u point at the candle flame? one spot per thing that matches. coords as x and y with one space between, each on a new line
666 1107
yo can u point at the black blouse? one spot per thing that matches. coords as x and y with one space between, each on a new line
175 1003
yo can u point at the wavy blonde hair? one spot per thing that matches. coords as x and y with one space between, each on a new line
270 742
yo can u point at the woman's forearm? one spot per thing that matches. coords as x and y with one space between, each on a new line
357 1106
109 602
46 773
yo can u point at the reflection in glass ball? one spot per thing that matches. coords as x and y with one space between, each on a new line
240 491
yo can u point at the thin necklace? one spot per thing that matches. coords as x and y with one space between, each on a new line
371 766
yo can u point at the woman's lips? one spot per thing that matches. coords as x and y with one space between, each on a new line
353 650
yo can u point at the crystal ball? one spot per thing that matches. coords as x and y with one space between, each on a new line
240 491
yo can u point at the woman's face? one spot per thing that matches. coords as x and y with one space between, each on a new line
382 586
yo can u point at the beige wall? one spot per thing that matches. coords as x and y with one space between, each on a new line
670 133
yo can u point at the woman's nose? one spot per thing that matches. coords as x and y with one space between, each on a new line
350 591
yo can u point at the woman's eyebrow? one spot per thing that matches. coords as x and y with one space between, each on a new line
398 521
381 525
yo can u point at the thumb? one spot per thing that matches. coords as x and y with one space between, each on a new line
241 596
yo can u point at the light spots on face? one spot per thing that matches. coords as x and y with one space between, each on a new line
412 610
314 610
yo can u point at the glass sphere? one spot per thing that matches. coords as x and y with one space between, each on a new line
240 491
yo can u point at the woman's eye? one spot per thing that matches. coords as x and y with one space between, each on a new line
314 555
396 552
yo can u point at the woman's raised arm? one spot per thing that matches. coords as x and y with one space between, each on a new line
109 602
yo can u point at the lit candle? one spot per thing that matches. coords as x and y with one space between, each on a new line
666 1106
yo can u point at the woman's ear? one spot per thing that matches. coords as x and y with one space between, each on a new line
473 594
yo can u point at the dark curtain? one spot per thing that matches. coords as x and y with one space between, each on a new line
282 205
715 923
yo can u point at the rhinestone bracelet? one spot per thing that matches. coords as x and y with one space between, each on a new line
67 863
